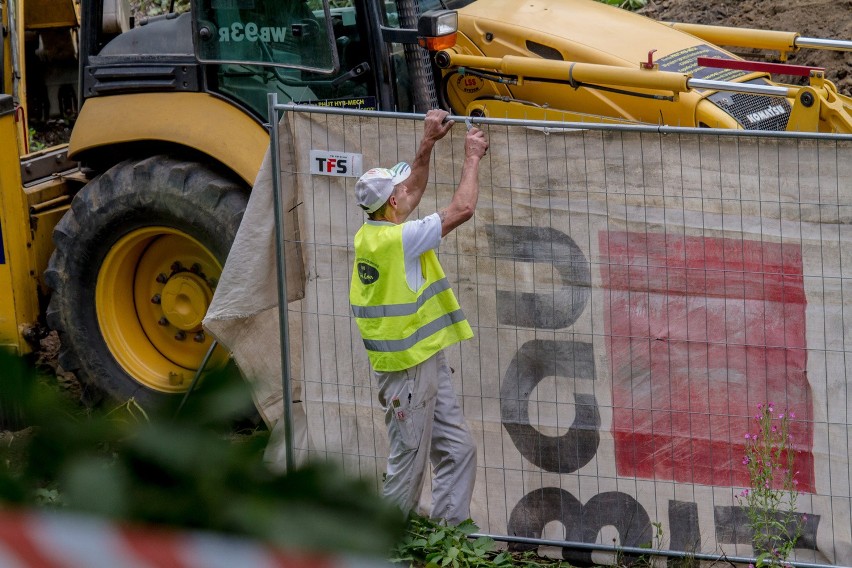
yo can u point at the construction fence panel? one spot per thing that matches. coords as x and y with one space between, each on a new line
634 296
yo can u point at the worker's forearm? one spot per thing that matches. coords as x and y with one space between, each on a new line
467 193
464 201
420 166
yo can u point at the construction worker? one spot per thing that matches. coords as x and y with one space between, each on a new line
407 314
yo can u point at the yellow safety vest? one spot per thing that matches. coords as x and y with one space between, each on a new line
401 328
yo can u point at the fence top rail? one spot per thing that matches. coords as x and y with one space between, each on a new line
548 126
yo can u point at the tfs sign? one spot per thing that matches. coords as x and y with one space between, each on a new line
335 163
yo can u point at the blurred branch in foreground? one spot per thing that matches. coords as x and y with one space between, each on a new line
190 471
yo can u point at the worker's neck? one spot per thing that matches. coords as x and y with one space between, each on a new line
391 216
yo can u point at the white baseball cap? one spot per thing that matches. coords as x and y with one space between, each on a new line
376 185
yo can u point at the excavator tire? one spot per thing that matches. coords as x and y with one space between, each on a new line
137 259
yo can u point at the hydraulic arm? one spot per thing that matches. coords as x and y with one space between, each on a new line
817 107
782 42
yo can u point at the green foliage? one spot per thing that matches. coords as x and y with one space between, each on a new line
35 143
157 7
626 4
770 501
188 471
435 545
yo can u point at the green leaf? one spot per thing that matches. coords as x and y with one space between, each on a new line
91 484
467 527
436 537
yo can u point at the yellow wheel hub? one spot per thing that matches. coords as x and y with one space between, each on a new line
152 292
185 299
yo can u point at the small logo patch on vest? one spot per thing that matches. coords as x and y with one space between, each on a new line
367 273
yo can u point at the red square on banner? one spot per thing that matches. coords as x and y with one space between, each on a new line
701 330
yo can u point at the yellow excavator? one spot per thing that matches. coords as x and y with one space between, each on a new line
583 61
116 237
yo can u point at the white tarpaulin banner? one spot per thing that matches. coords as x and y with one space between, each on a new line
634 296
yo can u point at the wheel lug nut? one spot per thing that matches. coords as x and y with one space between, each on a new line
199 337
155 299
180 336
177 266
195 268
162 278
163 321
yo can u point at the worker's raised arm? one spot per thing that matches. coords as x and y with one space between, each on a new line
467 193
434 128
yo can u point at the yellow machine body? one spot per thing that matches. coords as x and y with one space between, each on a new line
593 62
194 120
19 306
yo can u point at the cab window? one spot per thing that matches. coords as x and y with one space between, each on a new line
304 51
283 33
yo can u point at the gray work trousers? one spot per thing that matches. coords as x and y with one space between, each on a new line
424 418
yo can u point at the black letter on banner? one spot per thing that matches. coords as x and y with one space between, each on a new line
534 361
683 520
562 306
582 522
733 527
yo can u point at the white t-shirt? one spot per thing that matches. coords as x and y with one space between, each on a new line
418 236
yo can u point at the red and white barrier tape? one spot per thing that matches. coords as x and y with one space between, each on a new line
64 540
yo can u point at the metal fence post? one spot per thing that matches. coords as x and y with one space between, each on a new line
283 321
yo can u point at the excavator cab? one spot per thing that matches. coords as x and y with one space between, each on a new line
256 47
304 53
240 50
338 52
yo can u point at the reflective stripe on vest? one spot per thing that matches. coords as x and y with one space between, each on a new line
422 333
400 327
401 309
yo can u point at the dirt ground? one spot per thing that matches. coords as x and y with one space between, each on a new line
47 364
827 19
